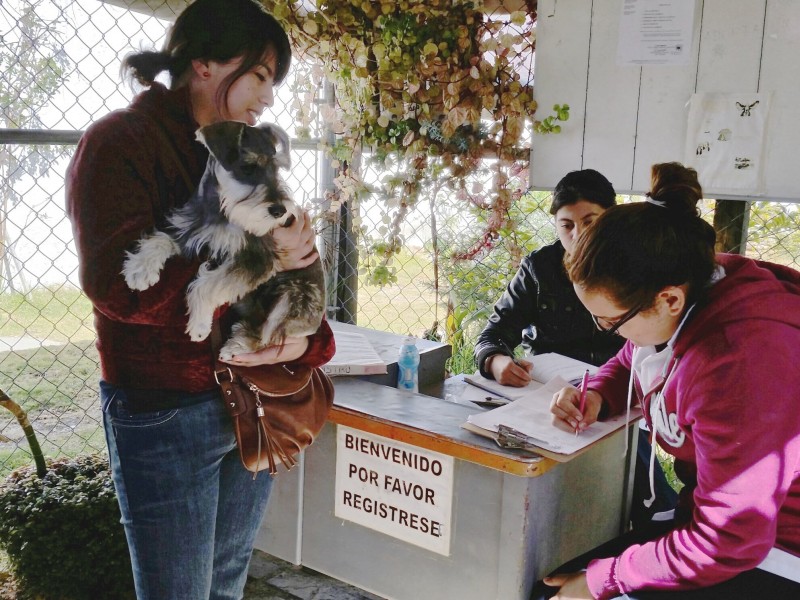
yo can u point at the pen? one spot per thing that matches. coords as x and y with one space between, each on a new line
510 352
582 404
487 389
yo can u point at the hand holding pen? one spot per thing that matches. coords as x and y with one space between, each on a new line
568 414
509 370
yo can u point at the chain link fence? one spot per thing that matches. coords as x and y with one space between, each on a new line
59 71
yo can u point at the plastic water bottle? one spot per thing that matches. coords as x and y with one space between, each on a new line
408 366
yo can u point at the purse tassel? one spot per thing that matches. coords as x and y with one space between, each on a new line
273 449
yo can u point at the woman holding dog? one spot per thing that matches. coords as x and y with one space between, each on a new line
712 354
190 510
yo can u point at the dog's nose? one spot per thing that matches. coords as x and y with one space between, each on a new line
277 210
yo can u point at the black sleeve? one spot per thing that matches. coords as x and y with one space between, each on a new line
513 313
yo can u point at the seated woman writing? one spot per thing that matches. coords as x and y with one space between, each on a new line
712 354
540 309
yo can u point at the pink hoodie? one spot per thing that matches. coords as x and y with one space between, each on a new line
732 408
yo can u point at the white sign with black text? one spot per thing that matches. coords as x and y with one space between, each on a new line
395 488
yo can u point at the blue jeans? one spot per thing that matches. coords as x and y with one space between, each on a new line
191 511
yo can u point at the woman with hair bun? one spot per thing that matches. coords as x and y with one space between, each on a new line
539 308
712 352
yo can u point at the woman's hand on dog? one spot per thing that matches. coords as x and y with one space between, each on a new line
295 244
292 349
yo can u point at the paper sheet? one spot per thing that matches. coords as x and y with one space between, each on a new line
545 367
655 32
726 141
549 365
530 414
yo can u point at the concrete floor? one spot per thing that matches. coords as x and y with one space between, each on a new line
273 579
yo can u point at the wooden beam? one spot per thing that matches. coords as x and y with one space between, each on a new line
731 220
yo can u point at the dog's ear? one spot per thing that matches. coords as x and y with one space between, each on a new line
224 141
269 140
283 156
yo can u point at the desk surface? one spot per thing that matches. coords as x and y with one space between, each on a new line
427 422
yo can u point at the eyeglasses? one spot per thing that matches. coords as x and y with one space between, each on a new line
611 326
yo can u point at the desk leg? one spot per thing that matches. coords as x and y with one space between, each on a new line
627 490
281 530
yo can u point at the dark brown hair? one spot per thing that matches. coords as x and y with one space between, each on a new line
218 30
633 251
586 184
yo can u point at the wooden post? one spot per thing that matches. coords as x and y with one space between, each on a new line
347 284
731 221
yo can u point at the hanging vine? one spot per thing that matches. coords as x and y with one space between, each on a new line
427 89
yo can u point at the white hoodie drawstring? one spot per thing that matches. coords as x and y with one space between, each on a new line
654 434
628 409
655 409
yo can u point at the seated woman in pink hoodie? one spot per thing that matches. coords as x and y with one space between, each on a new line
713 356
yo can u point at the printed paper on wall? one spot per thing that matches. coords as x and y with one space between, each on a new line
725 141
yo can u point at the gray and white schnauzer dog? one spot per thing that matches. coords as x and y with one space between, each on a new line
241 199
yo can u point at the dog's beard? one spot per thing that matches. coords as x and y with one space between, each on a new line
248 206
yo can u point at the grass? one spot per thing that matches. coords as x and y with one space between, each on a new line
409 305
58 313
667 465
57 384
57 387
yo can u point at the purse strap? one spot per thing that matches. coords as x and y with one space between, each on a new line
220 368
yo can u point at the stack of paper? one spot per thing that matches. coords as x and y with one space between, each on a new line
354 356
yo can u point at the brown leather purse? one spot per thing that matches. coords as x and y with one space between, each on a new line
277 411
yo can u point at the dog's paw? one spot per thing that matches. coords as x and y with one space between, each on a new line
137 273
198 329
235 346
142 269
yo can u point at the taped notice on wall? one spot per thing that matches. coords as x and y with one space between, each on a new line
400 490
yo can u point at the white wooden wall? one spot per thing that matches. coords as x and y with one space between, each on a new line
625 118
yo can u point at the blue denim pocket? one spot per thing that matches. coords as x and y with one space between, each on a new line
116 405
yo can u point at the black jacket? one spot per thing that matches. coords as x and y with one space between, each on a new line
540 309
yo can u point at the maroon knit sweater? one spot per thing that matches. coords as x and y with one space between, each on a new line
120 183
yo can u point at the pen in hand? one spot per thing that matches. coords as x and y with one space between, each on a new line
510 353
582 403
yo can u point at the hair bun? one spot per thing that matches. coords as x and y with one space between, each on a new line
675 187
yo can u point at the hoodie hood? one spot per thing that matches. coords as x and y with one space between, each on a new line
750 290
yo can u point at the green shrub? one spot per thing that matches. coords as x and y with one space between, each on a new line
62 532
